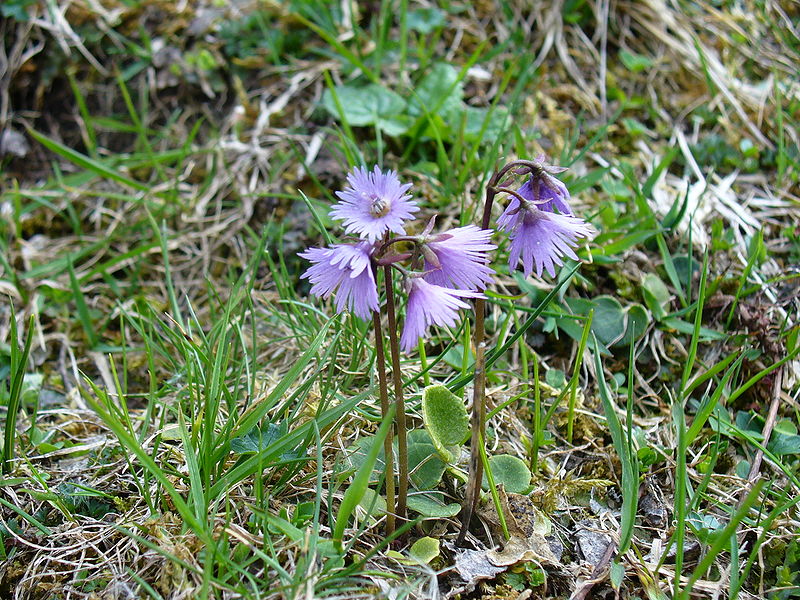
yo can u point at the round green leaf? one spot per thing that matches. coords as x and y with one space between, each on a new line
356 454
509 470
446 420
438 93
425 20
424 550
609 319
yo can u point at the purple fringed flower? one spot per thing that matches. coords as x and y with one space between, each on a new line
541 238
430 304
373 203
346 267
458 258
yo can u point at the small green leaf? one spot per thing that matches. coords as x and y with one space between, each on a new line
424 550
656 295
511 471
481 125
356 454
373 504
636 321
635 62
257 440
617 574
555 378
783 444
431 505
634 127
609 319
446 420
425 20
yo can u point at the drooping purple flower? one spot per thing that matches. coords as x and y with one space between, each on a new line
347 268
430 304
458 258
540 238
373 203
547 193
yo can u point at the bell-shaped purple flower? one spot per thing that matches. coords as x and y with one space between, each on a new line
541 239
373 203
347 268
458 258
430 304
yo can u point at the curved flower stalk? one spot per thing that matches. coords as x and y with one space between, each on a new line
543 230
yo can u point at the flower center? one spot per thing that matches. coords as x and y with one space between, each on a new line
379 206
531 214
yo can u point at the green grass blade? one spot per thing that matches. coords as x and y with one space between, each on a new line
630 474
19 362
83 161
358 487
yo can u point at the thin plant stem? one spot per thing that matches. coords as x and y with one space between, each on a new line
400 409
380 362
423 362
478 423
573 384
537 417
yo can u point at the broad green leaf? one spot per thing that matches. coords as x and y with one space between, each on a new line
425 466
636 321
369 105
782 444
510 471
476 127
439 93
432 505
257 440
635 62
609 319
424 550
356 454
373 504
446 420
656 295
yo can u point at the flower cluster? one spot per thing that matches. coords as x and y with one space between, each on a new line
443 269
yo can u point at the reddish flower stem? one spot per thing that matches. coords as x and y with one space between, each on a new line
400 410
380 361
478 422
